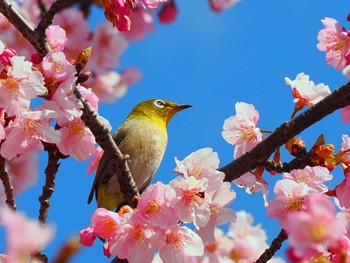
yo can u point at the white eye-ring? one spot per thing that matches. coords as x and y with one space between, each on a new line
159 104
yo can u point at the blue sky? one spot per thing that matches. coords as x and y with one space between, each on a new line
210 61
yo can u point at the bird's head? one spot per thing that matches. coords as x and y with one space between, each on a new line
156 110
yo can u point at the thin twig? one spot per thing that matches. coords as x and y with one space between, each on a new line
50 172
10 199
259 154
275 246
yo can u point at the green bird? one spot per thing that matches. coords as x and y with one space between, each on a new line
143 137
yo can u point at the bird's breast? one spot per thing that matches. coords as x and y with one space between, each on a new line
145 143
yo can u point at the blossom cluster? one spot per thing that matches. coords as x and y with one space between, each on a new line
198 197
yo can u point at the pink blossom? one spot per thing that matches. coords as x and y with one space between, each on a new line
135 240
345 114
56 37
19 235
219 250
90 96
151 3
219 213
305 92
312 230
202 163
95 160
17 170
2 123
335 41
241 131
67 102
289 197
190 206
27 131
314 177
168 13
344 154
55 66
2 47
218 5
110 85
104 222
142 24
118 13
77 29
87 237
342 191
6 55
109 44
77 140
248 241
21 85
253 182
156 205
180 242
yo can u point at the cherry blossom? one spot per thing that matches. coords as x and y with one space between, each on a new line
241 131
335 41
249 241
305 92
168 13
134 239
313 229
156 205
20 86
218 5
56 37
77 140
314 177
202 163
180 242
190 206
289 197
19 235
55 66
77 30
95 160
219 213
142 24
108 45
342 191
27 131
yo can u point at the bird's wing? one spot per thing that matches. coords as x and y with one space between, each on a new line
103 172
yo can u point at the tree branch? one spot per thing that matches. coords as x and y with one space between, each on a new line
50 172
105 140
275 246
36 38
259 154
10 199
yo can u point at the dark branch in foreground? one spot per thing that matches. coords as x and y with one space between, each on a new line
275 246
259 154
36 38
10 199
105 140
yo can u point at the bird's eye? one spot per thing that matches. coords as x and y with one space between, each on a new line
159 104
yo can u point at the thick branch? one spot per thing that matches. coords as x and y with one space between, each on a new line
275 246
36 38
48 188
105 140
259 154
10 200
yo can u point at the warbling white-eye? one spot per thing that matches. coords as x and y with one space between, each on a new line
143 138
